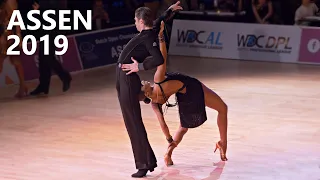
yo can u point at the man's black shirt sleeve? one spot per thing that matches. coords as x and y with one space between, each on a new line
153 49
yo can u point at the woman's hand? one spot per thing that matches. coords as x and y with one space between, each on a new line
176 6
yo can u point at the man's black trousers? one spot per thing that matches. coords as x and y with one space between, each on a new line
128 88
49 63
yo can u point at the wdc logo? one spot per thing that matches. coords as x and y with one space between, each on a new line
199 39
193 36
251 41
314 45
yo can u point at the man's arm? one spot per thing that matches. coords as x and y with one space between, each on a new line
152 45
156 60
167 15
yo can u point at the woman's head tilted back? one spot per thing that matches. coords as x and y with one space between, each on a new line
143 18
147 88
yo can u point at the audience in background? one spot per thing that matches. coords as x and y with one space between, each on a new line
100 16
263 11
306 9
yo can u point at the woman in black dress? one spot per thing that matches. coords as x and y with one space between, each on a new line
192 98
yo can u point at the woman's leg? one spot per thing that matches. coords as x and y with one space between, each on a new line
23 90
177 139
213 101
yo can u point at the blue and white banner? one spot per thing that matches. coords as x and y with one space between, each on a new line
235 40
199 38
104 47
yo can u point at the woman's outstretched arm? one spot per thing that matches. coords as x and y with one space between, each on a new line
157 108
161 70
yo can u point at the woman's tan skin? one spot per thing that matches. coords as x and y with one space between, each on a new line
212 100
6 10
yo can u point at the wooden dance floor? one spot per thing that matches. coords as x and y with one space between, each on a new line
274 127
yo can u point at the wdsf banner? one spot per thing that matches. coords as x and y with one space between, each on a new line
103 48
235 40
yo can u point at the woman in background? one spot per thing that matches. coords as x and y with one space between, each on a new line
6 9
262 10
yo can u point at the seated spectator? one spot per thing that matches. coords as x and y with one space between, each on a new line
263 11
99 14
306 9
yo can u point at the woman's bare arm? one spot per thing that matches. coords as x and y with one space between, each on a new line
255 12
161 70
270 12
158 110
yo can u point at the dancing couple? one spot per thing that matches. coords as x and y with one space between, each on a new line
192 95
47 63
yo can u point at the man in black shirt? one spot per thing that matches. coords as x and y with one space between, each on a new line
129 85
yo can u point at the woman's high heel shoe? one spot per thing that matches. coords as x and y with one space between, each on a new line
222 151
168 160
22 93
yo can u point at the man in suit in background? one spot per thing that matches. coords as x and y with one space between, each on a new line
47 63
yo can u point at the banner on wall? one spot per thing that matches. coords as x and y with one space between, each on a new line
310 46
200 38
70 60
235 40
103 48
